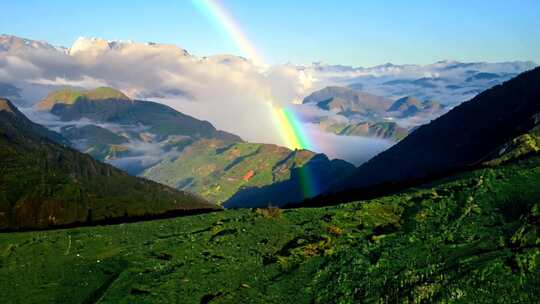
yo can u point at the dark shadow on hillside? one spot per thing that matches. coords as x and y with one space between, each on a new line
118 220
386 189
458 139
307 181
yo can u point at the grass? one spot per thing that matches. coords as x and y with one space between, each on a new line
469 238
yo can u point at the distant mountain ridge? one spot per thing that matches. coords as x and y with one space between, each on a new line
350 102
356 113
108 105
346 99
70 96
111 127
446 81
161 71
460 138
410 106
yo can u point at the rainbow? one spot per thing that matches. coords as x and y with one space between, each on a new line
287 124
290 129
228 27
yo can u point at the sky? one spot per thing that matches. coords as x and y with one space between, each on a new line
356 32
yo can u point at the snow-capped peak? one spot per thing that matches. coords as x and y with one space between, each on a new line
95 46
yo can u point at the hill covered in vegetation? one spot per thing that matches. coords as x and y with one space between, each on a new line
247 174
45 184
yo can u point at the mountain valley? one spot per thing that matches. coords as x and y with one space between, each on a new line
136 172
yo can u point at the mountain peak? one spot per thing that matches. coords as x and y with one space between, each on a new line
83 44
7 106
14 44
404 103
70 95
95 46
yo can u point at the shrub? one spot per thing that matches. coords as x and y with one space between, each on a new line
270 212
335 230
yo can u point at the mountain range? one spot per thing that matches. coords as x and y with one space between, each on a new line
449 82
156 142
346 111
196 85
463 138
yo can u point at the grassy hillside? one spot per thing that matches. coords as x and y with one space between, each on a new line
518 147
44 184
470 238
98 142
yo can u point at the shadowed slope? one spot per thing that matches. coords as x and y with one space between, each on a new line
44 184
461 138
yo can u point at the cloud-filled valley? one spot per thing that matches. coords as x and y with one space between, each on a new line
231 92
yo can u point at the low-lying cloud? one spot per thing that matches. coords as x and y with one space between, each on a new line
229 91
354 149
139 154
142 155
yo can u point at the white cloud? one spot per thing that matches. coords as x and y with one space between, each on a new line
355 149
226 90
84 82
142 155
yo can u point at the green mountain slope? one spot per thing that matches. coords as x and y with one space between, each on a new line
518 147
217 170
19 121
110 127
471 238
44 184
100 143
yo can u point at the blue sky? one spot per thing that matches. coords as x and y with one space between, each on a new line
360 33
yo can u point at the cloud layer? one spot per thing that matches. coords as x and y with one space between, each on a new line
229 91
